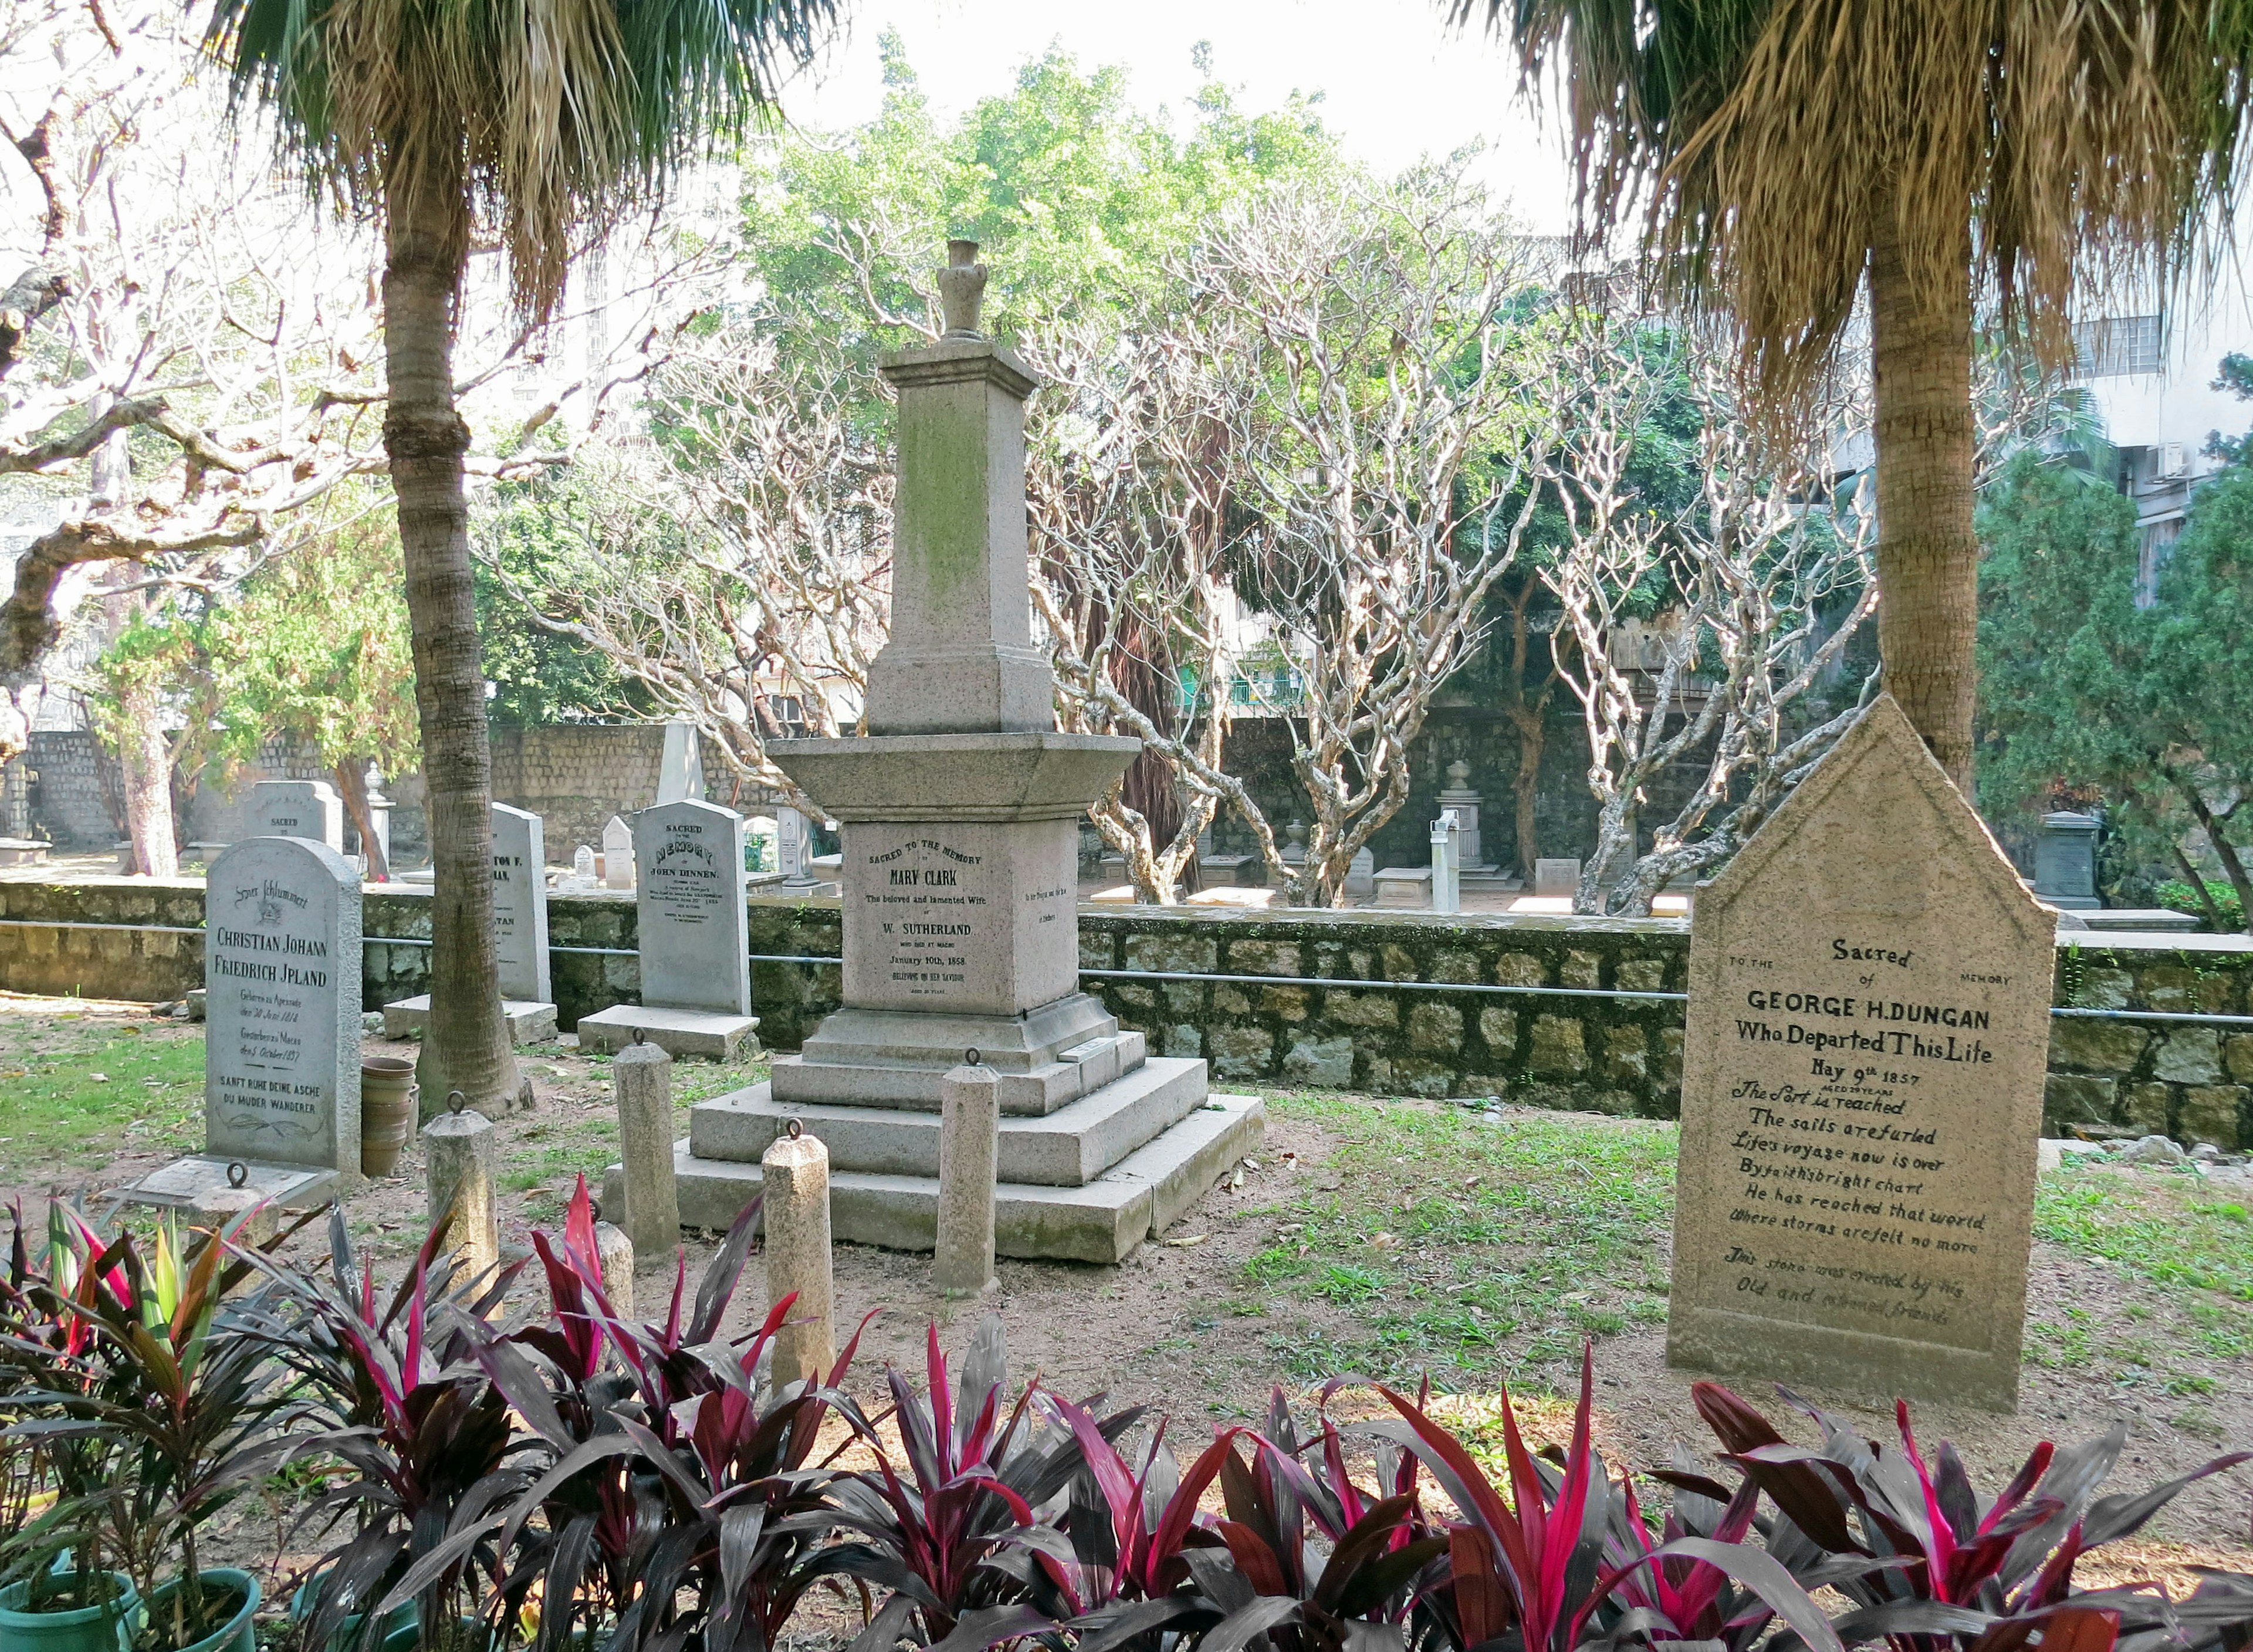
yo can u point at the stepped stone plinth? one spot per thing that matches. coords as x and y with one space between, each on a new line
959 816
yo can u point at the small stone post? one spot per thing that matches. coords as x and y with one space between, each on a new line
796 1215
969 1144
652 1216
614 1254
1447 889
460 1144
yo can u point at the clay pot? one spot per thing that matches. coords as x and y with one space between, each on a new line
386 1112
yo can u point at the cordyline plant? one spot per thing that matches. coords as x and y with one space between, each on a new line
978 1474
394 1395
1932 1566
170 1392
680 1506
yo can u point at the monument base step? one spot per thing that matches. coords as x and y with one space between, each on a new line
528 1023
708 1032
184 1183
1079 1070
1067 1149
1105 1221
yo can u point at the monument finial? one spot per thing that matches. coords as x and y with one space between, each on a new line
961 289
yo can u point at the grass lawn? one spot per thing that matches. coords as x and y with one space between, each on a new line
76 1089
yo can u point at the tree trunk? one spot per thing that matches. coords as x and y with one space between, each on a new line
144 773
1928 558
467 1045
352 787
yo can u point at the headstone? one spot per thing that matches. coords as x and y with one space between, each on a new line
520 877
1405 888
461 1167
519 841
618 855
681 771
650 1208
2065 860
795 1176
791 848
1556 880
282 973
693 935
582 864
695 940
969 1146
296 809
1361 876
1862 1090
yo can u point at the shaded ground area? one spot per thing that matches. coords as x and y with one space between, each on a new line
1371 1238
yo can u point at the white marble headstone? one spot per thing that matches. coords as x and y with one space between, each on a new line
583 863
296 809
695 932
282 973
520 903
618 855
790 843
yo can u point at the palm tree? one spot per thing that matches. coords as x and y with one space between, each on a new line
537 120
1995 160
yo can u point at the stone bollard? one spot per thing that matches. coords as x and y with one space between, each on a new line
969 1144
796 1215
651 1213
460 1145
614 1253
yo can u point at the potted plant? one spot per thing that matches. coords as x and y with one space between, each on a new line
188 1408
56 1595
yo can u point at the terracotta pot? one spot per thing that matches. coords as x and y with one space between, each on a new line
386 1112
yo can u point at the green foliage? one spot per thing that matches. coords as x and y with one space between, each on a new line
2084 691
535 532
1078 199
2177 895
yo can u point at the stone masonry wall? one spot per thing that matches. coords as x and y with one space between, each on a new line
1372 1002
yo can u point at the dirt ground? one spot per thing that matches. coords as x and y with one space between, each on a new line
1204 1324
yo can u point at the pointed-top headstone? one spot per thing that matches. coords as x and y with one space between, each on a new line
681 771
1861 1092
618 855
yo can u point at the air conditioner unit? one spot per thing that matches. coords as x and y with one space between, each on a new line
2170 463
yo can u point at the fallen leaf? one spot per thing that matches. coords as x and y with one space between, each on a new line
1382 1241
1183 1245
99 1079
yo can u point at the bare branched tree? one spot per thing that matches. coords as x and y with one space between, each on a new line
1384 470
1127 481
735 571
1707 641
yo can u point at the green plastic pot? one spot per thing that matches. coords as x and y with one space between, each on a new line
401 1617
409 1639
98 1629
239 1634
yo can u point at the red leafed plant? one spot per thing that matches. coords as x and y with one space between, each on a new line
1929 1565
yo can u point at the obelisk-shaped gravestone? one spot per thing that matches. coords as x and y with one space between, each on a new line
960 818
1861 1090
282 942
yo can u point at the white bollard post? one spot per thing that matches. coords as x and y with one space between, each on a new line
796 1215
652 1216
969 1147
460 1145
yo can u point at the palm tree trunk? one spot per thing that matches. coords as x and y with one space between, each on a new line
467 1045
1927 557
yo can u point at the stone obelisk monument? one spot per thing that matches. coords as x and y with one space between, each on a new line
960 818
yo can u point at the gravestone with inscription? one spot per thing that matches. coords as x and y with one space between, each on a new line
296 809
1861 1092
282 973
519 872
960 819
693 935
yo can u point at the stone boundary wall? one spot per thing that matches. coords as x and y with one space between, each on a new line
1406 1024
